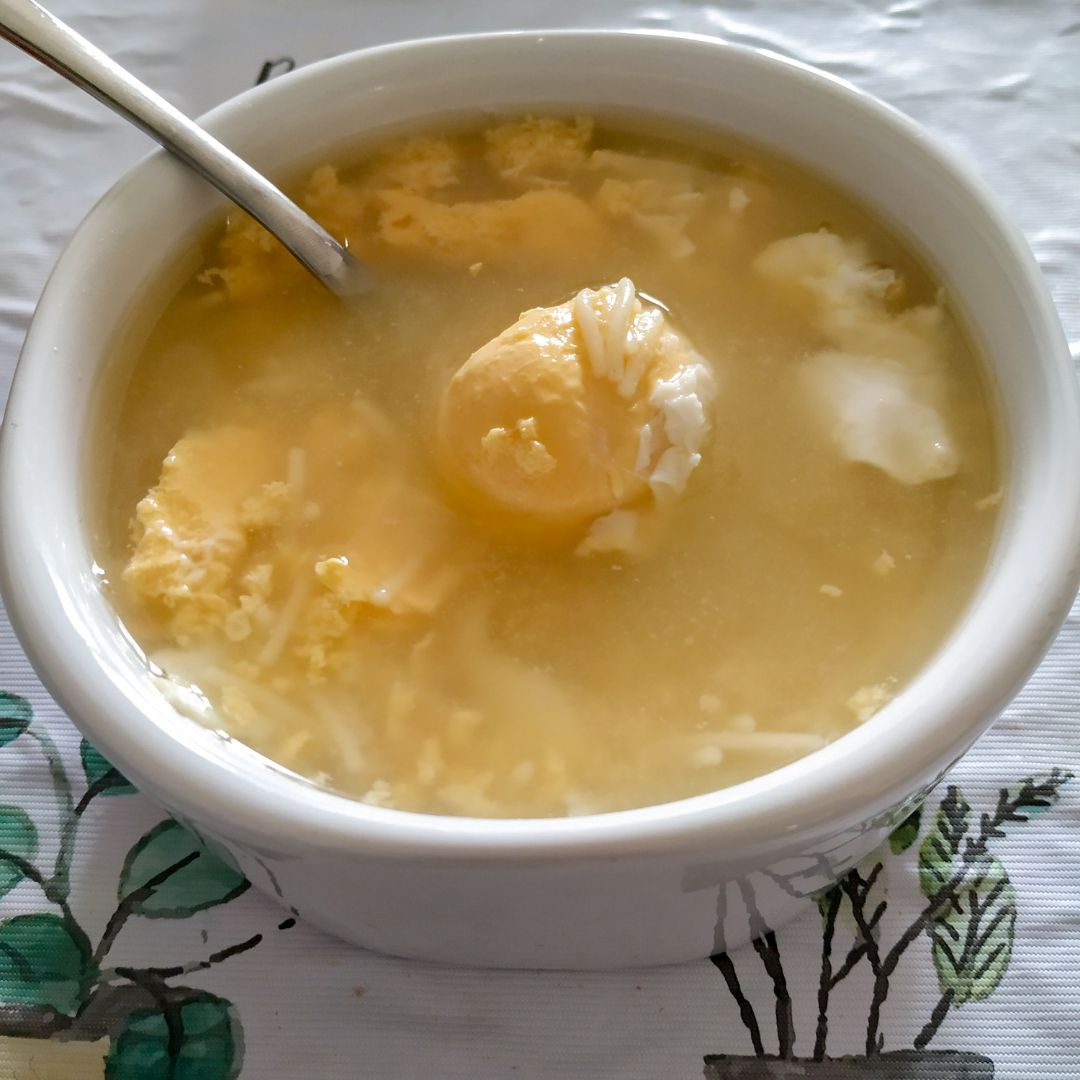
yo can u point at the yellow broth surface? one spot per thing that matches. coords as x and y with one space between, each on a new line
286 542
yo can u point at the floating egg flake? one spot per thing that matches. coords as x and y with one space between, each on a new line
881 390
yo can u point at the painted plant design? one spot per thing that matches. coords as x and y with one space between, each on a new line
969 914
56 982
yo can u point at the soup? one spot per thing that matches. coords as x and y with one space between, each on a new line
651 465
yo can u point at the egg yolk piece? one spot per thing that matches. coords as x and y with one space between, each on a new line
576 412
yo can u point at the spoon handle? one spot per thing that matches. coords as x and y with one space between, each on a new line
46 38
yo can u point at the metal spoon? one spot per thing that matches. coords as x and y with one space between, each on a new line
46 38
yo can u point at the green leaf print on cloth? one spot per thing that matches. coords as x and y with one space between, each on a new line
15 714
906 833
170 873
18 846
942 844
103 777
192 1040
972 936
44 961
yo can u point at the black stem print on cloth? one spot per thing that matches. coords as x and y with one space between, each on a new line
52 982
32 873
106 782
857 890
767 948
65 810
202 965
130 903
765 945
941 1010
825 983
746 1010
272 68
969 915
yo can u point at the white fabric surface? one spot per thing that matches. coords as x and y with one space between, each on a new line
997 79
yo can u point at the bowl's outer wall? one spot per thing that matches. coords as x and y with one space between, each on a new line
660 884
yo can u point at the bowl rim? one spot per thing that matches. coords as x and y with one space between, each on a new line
918 734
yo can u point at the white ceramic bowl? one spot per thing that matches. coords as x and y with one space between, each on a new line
664 883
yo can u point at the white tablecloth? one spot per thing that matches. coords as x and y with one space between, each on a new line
245 991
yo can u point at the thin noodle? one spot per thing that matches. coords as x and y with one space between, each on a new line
590 330
622 307
290 612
